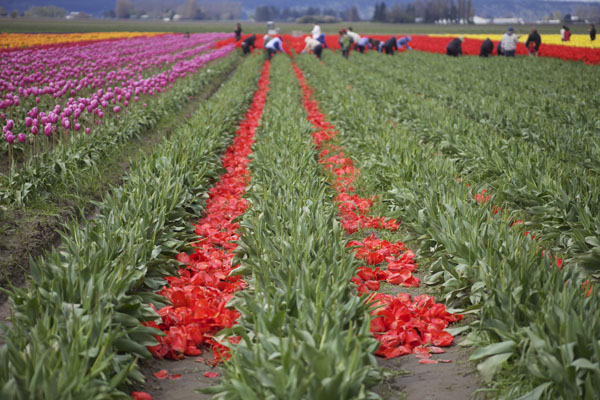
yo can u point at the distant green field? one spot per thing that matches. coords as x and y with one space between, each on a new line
34 25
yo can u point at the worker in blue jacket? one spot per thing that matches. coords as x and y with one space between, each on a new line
403 42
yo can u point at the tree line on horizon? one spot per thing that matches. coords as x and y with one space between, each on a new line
425 11
419 10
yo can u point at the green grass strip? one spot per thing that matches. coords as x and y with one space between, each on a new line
304 331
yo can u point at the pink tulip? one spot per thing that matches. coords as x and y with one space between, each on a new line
34 130
21 137
48 129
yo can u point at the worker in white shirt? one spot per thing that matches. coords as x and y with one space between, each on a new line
316 31
354 36
313 45
509 43
273 47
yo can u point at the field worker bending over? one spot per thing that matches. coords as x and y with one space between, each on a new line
266 39
363 43
509 43
389 46
454 48
345 41
247 43
375 44
353 35
487 48
273 47
403 42
314 45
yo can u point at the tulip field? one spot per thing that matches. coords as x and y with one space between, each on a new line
306 224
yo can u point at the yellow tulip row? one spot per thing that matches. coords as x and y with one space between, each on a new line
576 40
18 40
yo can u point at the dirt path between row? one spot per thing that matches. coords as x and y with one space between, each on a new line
192 378
455 380
31 233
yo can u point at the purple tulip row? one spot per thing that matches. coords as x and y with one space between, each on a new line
45 71
115 98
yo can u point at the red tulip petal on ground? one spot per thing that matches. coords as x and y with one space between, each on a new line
183 258
395 352
377 325
428 361
366 274
162 374
211 374
141 396
174 376
422 352
192 351
374 258
443 339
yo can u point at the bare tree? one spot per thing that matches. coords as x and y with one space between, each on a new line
123 8
190 9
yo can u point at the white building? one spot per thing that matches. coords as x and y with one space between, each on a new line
508 21
477 20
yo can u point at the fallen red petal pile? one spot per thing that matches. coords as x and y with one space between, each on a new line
399 264
403 325
200 293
